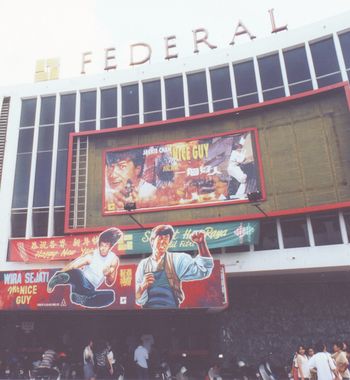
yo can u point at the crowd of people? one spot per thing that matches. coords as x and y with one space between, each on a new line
99 361
317 363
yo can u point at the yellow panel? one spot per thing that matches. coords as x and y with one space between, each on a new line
47 69
41 76
40 65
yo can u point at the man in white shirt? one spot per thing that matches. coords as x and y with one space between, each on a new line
140 358
88 272
323 363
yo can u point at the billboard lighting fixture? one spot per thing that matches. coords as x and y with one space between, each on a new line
256 196
131 206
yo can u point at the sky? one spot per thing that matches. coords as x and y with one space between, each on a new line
39 29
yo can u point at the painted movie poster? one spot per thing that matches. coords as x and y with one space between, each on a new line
203 171
98 279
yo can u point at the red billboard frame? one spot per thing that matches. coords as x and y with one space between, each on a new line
233 111
256 153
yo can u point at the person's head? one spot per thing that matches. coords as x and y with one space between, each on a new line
124 168
108 239
100 345
50 345
301 350
337 346
161 237
320 347
310 352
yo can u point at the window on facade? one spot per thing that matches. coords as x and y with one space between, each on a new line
28 113
63 135
67 108
40 221
344 39
325 62
87 111
347 222
44 153
59 221
21 185
271 77
130 104
298 72
152 103
25 140
237 248
197 93
18 223
24 154
247 92
294 231
326 228
66 126
61 175
45 138
216 251
42 179
108 108
47 110
268 236
174 97
221 88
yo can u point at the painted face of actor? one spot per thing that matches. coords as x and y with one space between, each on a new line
104 248
160 244
120 172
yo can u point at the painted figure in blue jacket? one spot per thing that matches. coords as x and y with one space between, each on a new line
159 277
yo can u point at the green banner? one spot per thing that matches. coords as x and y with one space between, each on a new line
217 235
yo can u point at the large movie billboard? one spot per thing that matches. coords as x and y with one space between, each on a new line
28 290
96 280
222 168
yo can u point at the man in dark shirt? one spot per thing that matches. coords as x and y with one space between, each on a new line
48 358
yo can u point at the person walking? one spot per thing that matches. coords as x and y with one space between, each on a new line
104 369
323 363
294 369
141 358
341 360
310 354
88 359
302 364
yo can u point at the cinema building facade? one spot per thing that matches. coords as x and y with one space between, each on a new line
249 143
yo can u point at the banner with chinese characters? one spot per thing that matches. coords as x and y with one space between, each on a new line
52 289
132 242
189 173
